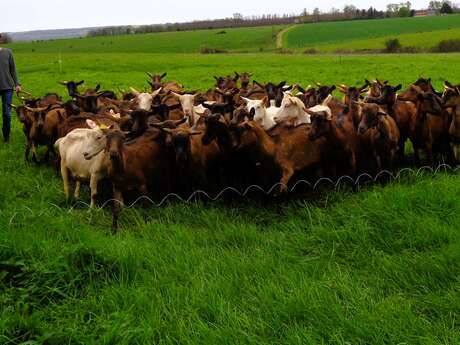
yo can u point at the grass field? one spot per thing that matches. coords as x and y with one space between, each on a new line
380 266
235 40
368 32
423 41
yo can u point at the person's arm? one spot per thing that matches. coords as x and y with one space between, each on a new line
14 74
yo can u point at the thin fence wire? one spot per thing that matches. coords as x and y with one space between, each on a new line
361 180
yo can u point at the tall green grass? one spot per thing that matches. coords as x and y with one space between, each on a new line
379 266
311 35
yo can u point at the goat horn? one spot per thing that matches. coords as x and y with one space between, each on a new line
134 91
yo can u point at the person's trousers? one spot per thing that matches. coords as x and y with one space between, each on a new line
7 99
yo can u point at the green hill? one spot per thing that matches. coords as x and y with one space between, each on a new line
357 33
239 40
422 40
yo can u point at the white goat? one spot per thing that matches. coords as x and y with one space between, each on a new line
263 115
73 150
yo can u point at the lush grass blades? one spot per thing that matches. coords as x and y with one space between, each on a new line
377 266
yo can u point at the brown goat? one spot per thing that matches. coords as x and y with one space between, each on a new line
290 149
451 99
341 137
133 165
384 136
403 111
429 128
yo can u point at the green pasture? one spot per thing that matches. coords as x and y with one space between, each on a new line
376 266
317 34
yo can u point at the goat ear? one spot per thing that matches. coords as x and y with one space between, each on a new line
195 133
163 75
368 83
363 89
156 92
63 83
397 88
332 88
252 113
245 100
80 82
248 125
91 124
215 77
176 95
282 84
381 113
258 84
149 74
266 101
98 86
181 121
342 89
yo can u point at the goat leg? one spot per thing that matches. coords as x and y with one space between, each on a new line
27 152
34 153
287 174
65 179
116 207
93 187
77 189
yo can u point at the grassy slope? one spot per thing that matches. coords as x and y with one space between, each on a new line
240 39
422 40
312 35
377 267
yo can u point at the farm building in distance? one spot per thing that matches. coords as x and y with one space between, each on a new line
425 13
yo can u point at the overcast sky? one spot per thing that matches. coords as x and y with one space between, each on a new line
24 15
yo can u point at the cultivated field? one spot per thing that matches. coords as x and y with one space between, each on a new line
378 266
422 32
235 40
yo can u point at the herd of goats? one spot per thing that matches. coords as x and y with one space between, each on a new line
238 133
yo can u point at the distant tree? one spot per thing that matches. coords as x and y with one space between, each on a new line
392 46
5 38
435 5
446 8
393 10
404 11
316 14
349 9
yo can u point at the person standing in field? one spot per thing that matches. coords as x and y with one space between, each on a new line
8 83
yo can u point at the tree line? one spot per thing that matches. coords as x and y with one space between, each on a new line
349 12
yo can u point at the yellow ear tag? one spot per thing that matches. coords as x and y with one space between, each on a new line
103 126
